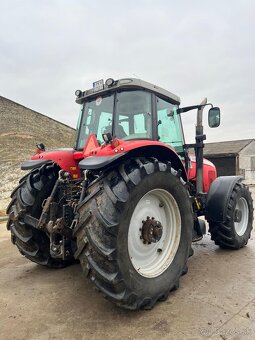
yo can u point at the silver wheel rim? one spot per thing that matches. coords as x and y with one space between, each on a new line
241 226
151 260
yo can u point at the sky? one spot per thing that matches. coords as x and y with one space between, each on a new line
195 49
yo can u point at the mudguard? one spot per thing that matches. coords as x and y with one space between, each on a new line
98 162
218 197
33 164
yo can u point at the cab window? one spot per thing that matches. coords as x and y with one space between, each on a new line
169 125
96 119
133 115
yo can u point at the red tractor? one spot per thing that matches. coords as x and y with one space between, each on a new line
126 200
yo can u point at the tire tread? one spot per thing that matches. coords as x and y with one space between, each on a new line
100 254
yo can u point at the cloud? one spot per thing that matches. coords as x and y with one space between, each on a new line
194 49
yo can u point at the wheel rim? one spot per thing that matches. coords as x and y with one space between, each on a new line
151 260
242 207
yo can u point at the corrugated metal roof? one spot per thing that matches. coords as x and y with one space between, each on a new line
226 148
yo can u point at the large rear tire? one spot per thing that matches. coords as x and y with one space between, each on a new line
111 242
235 232
27 199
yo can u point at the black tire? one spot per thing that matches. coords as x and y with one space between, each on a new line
225 234
27 199
102 233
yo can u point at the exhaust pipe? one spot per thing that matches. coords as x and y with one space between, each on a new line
200 137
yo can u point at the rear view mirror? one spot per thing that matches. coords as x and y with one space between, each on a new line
214 117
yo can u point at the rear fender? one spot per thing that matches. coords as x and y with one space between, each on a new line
218 197
33 164
64 158
162 153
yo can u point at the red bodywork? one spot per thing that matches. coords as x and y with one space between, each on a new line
68 159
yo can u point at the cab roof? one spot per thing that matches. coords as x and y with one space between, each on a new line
128 83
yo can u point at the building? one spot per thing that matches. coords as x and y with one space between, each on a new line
233 158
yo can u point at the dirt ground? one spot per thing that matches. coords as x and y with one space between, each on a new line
216 300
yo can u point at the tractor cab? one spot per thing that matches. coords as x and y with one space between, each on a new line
129 109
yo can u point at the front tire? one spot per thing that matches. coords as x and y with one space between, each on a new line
235 232
127 268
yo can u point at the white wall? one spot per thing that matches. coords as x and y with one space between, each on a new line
246 164
252 190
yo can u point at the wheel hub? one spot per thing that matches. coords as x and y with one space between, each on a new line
241 216
151 230
151 260
238 215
